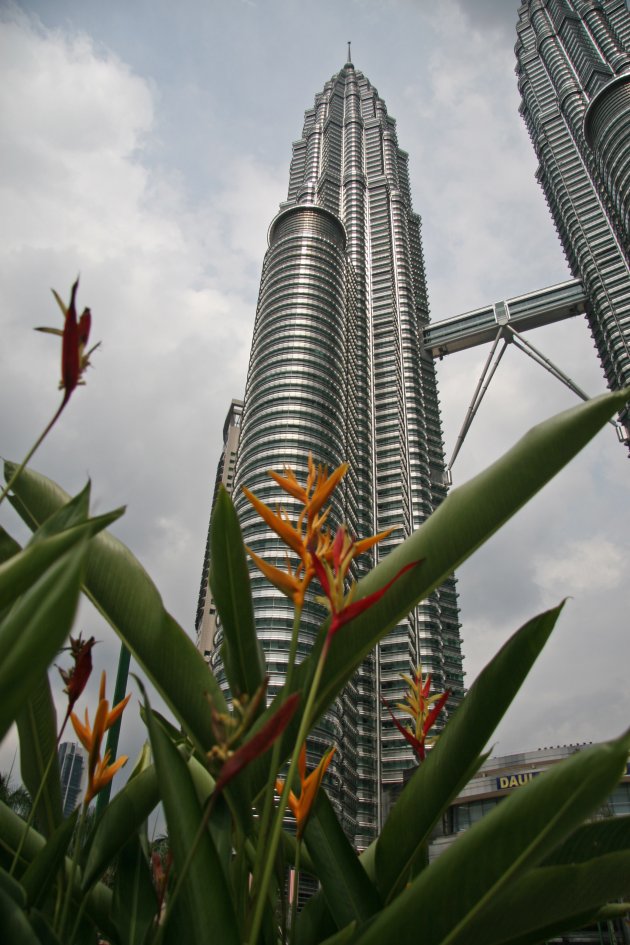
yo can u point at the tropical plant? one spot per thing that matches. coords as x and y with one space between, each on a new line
528 871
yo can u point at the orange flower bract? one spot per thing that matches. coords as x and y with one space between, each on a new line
309 786
100 772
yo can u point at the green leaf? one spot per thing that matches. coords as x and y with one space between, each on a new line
21 570
347 890
314 923
123 593
35 628
204 887
592 840
37 729
451 894
8 546
229 578
551 900
15 833
41 927
120 820
135 902
456 755
14 923
13 889
43 868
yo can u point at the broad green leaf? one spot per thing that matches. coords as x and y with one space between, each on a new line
592 840
344 936
43 868
456 755
121 590
41 926
75 512
220 819
451 894
13 889
557 898
8 546
135 902
33 631
347 890
203 886
14 923
37 729
21 570
315 923
14 832
121 818
229 579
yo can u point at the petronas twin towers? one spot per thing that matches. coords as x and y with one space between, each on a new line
338 368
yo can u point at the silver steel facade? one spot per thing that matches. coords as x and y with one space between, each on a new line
573 67
71 767
338 368
206 621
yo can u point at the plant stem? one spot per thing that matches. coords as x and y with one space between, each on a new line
272 847
275 757
76 853
180 876
18 472
296 886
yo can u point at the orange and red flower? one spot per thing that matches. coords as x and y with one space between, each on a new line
331 567
423 709
302 535
77 676
309 786
100 772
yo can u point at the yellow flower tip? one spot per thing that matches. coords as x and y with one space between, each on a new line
101 694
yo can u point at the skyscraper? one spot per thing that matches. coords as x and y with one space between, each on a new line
206 623
573 67
337 369
71 765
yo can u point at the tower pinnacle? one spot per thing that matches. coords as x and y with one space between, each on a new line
349 60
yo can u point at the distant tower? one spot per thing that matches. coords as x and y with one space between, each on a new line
337 368
573 67
71 766
206 621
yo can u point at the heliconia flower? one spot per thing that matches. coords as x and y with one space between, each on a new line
74 339
423 709
258 744
292 583
102 775
319 487
100 772
331 567
309 786
77 676
305 533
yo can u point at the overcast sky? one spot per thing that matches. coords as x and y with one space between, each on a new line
146 145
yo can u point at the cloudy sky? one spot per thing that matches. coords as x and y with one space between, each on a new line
146 145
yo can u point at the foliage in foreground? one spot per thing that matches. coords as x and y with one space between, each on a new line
528 871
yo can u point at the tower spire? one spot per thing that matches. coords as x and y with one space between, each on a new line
349 60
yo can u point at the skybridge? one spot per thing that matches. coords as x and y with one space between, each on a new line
523 312
504 322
